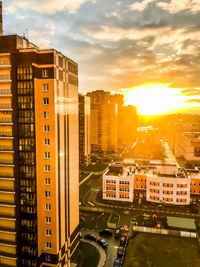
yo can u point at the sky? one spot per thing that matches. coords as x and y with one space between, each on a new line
120 45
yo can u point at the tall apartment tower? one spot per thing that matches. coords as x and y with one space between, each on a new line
39 196
84 131
104 122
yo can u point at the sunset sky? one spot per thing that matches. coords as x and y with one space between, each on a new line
128 46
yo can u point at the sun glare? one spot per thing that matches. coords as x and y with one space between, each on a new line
154 99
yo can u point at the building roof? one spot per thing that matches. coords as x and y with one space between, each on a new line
178 222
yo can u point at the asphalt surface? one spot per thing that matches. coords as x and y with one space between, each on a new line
111 251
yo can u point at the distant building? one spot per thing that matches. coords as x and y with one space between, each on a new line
39 181
118 183
163 184
84 131
104 122
188 146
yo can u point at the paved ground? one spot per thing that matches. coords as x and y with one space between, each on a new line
111 252
170 158
150 250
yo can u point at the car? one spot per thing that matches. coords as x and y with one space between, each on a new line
122 241
120 252
90 237
106 232
117 234
102 243
116 263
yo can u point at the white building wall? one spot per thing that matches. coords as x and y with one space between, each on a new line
117 180
178 190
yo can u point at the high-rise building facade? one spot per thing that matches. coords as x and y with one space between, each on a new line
84 131
104 122
39 211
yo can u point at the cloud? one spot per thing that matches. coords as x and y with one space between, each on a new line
175 6
50 6
140 6
191 92
193 101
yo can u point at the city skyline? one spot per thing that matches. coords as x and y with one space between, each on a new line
129 44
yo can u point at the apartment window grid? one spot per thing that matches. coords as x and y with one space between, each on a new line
124 190
110 188
111 195
124 182
110 181
123 197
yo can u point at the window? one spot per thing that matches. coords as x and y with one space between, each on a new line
47 206
47 194
46 115
47 181
48 219
44 73
110 188
46 141
48 244
124 182
48 257
48 232
124 197
47 155
111 195
45 87
46 128
47 168
46 101
110 181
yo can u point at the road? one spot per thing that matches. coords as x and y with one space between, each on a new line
170 158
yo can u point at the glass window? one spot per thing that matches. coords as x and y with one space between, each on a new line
48 219
44 73
47 181
47 141
46 101
47 168
46 115
46 128
47 155
45 87
47 194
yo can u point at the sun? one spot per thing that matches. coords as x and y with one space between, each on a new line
154 99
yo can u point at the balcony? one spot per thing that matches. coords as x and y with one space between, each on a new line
6 174
6 148
5 78
6 162
6 106
5 120
6 134
5 92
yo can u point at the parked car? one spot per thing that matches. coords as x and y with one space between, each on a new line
116 263
90 237
117 234
120 252
102 243
106 232
122 241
